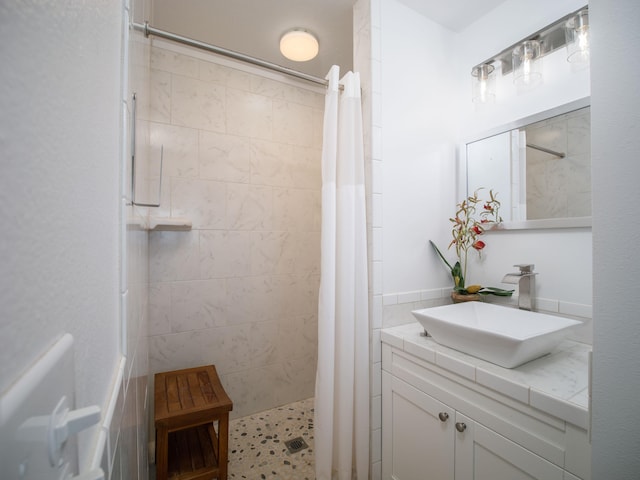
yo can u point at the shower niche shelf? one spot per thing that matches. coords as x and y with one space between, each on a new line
169 224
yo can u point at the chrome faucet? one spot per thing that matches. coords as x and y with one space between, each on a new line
526 281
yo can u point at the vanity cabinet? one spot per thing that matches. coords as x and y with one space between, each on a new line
437 425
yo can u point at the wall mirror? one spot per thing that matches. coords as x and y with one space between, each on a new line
540 166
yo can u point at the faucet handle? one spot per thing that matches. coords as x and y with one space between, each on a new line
525 267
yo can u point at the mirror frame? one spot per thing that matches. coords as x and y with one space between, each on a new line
571 222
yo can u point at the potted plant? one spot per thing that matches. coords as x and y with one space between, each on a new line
467 227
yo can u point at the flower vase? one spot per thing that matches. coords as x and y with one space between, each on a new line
460 297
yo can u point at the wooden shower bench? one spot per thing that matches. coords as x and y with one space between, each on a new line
187 403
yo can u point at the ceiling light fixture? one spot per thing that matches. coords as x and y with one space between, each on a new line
299 45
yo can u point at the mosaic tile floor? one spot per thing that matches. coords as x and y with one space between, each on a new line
257 444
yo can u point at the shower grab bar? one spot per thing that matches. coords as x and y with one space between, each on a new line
546 150
133 161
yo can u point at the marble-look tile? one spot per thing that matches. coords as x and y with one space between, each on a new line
179 149
268 87
307 259
296 379
264 343
273 252
224 157
500 384
173 62
305 97
249 207
422 352
228 348
295 209
248 114
292 123
318 127
250 299
559 408
175 351
272 164
202 201
295 294
578 133
264 393
159 308
174 256
393 340
197 305
223 75
197 104
306 168
451 362
224 253
298 336
160 96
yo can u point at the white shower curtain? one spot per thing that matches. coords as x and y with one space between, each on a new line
342 379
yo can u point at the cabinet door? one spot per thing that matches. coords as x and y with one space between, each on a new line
418 434
482 454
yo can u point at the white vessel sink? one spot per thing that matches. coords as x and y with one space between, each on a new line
502 335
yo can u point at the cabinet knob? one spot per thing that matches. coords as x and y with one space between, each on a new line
443 416
461 427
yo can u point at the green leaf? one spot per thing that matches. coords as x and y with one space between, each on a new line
500 292
441 256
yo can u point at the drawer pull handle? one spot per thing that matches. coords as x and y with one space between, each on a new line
461 427
443 416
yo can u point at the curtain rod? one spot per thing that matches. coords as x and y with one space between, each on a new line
149 30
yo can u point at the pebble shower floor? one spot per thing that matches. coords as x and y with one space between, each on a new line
257 447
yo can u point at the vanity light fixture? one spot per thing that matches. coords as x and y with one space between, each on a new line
299 45
523 59
577 37
526 65
483 87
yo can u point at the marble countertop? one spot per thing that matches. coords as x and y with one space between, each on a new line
557 384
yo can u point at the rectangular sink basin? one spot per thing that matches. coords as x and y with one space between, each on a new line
502 335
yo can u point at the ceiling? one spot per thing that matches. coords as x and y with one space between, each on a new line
254 27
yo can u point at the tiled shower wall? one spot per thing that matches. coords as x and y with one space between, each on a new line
239 290
550 193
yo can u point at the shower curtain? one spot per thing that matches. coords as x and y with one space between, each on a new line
342 379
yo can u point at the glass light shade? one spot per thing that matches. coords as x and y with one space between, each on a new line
484 84
577 36
526 65
299 45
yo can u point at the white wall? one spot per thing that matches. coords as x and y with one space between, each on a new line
615 146
65 246
418 146
562 257
60 185
427 115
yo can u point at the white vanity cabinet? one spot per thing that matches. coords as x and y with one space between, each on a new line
438 424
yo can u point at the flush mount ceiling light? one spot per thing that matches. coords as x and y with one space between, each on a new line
299 45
